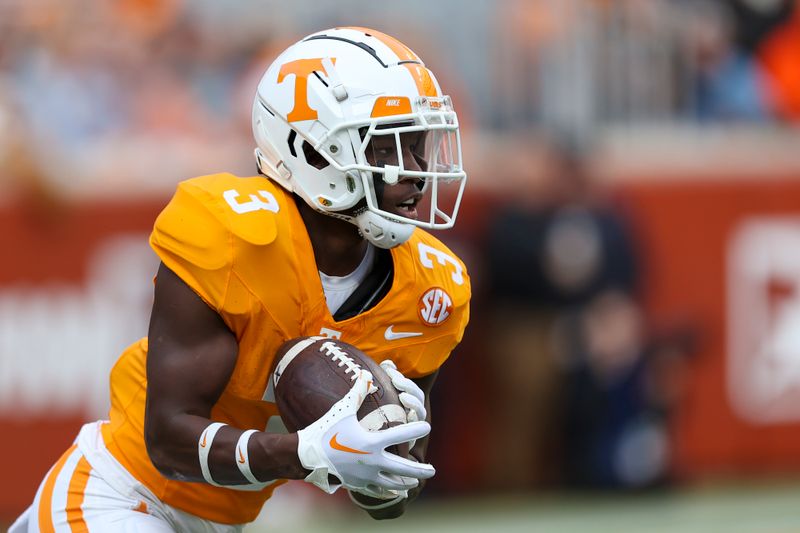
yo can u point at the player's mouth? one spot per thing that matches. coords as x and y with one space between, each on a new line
408 207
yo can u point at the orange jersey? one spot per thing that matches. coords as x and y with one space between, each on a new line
241 245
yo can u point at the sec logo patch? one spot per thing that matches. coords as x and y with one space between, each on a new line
435 306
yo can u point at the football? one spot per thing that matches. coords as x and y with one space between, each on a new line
313 373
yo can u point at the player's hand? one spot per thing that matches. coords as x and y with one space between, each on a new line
337 444
411 396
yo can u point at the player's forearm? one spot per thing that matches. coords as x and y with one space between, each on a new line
175 450
274 456
420 453
172 444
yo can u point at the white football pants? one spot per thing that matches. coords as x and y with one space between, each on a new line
89 490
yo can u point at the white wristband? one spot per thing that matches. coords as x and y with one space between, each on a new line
204 448
242 458
382 505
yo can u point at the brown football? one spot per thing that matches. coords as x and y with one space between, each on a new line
313 373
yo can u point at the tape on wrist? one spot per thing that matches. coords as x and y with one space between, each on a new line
204 448
242 457
382 505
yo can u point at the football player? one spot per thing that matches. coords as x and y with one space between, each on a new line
356 150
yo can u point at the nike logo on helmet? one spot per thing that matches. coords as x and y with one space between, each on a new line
391 335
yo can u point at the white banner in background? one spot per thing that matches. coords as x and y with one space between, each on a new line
58 342
763 313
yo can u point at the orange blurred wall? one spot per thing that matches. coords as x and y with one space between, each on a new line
46 255
721 255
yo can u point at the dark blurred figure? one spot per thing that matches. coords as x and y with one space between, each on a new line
568 247
618 391
755 20
579 400
730 84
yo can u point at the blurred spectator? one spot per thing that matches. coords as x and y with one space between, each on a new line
544 260
569 246
573 366
729 84
615 406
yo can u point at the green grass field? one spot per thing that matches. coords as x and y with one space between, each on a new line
740 508
773 508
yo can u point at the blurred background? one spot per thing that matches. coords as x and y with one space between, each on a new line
631 225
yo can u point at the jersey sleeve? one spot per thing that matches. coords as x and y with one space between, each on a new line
190 240
440 300
214 227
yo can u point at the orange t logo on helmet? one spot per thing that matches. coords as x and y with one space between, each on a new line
302 69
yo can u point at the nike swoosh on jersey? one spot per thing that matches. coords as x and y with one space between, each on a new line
391 335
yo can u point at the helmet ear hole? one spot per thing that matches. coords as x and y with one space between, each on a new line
313 157
290 140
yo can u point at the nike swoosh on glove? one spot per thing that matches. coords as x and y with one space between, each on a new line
337 444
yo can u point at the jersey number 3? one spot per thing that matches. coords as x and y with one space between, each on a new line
266 202
428 253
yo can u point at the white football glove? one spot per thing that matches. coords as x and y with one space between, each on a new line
411 396
337 444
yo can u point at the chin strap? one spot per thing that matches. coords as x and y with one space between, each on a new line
381 231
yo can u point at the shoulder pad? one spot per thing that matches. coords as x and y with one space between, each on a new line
438 263
247 207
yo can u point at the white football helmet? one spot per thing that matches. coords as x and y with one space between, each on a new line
322 101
